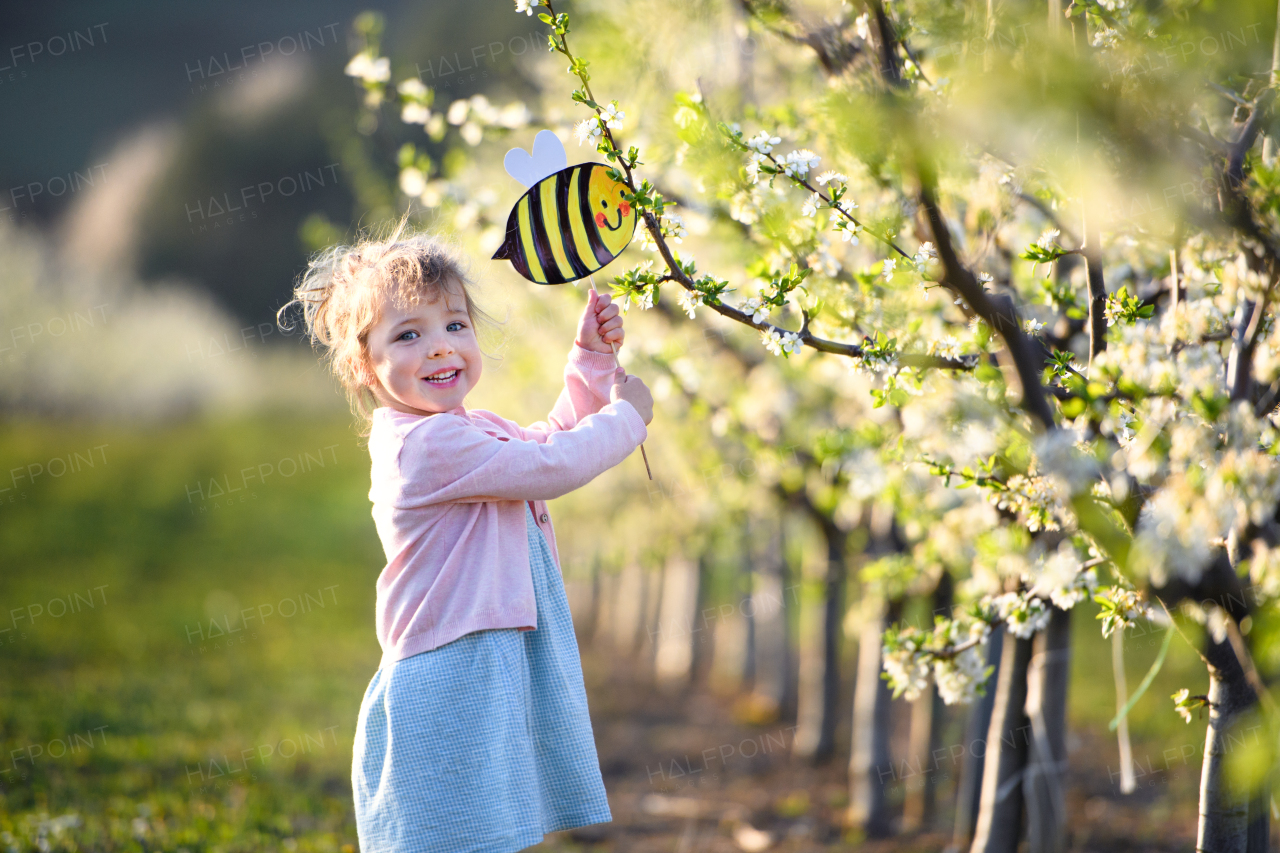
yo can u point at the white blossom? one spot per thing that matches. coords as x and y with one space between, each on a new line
1180 704
369 68
414 114
612 116
830 175
457 113
798 163
412 87
412 181
1046 238
906 670
756 307
810 206
1062 578
779 342
689 300
862 26
1023 615
762 142
948 347
673 226
471 133
588 130
959 678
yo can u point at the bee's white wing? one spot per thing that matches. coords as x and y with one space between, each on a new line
548 157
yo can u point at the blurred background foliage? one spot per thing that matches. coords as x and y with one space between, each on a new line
133 328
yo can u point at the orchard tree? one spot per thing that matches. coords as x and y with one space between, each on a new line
1046 239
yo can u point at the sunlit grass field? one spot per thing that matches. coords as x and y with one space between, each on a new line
207 671
186 631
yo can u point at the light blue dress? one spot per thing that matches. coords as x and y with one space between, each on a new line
483 744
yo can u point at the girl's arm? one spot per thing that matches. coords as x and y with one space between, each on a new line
589 372
588 376
449 459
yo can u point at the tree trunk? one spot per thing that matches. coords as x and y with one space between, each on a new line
817 740
790 674
1128 783
832 632
774 690
587 625
1000 814
642 620
969 789
1260 821
1224 805
628 611
1046 708
702 641
748 675
870 764
928 714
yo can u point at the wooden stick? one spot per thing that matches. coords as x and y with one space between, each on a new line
614 347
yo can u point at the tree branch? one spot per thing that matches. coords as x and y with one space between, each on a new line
998 312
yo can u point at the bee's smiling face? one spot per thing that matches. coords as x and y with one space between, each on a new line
615 218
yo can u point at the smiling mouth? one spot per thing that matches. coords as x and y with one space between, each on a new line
603 220
443 378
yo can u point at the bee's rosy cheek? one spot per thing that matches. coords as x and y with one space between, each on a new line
600 219
625 208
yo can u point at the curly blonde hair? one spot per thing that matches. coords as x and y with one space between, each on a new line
344 286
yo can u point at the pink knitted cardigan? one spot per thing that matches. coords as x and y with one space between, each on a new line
449 493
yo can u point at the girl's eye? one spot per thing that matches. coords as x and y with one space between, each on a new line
449 328
405 336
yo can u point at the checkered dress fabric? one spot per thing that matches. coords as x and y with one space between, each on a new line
483 744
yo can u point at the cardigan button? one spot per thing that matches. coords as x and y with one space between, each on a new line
543 519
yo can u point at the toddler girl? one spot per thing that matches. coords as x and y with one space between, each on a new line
473 734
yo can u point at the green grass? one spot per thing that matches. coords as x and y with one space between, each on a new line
140 538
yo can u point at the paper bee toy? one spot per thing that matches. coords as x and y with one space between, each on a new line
571 221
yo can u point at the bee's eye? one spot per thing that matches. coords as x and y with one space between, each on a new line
604 202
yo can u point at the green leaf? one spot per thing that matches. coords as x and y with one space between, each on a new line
1073 407
987 373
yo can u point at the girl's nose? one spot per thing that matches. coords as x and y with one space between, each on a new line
441 346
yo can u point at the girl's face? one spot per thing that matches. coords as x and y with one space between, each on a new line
424 358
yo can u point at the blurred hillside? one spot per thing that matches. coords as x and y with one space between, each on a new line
192 142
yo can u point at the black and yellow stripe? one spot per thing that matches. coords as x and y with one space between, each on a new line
552 235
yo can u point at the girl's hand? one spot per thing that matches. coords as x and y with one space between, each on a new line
601 323
634 391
